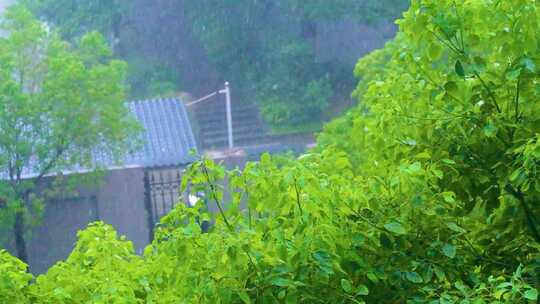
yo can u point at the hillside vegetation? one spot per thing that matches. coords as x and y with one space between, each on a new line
427 192
268 50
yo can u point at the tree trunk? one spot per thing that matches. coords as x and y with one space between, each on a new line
20 243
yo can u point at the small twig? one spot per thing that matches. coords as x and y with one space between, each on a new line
460 29
512 131
517 100
222 212
214 197
490 93
430 80
531 221
449 45
367 221
246 191
298 197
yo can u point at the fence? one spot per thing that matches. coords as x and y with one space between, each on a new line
162 193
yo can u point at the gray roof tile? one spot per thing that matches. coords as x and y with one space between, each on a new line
166 139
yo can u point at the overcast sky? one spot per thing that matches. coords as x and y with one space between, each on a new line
4 4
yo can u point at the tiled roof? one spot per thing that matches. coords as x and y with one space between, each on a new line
166 139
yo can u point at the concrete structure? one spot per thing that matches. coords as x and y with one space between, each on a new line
119 200
131 195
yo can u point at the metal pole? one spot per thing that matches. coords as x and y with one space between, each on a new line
227 92
148 205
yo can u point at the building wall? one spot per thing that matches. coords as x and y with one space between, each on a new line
56 235
118 200
121 204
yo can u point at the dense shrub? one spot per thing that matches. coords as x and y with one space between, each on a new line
13 279
297 107
101 269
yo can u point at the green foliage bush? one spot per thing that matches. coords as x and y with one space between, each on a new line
149 79
74 18
312 232
101 269
13 279
296 108
59 104
426 193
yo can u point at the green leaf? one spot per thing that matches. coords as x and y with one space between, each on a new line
424 155
418 202
490 130
435 51
265 158
281 282
427 275
372 277
415 167
439 273
61 292
514 74
438 173
504 285
362 290
449 250
479 64
385 240
459 69
516 174
244 297
346 285
449 197
292 298
395 228
358 239
454 227
531 294
448 161
413 277
529 64
451 87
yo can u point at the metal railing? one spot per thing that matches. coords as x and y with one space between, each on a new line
162 193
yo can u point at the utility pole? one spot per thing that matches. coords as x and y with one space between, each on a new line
227 92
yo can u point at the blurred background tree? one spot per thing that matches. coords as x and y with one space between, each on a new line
268 50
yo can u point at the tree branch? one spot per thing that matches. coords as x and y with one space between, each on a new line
298 197
215 198
49 165
516 106
222 212
531 221
490 93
